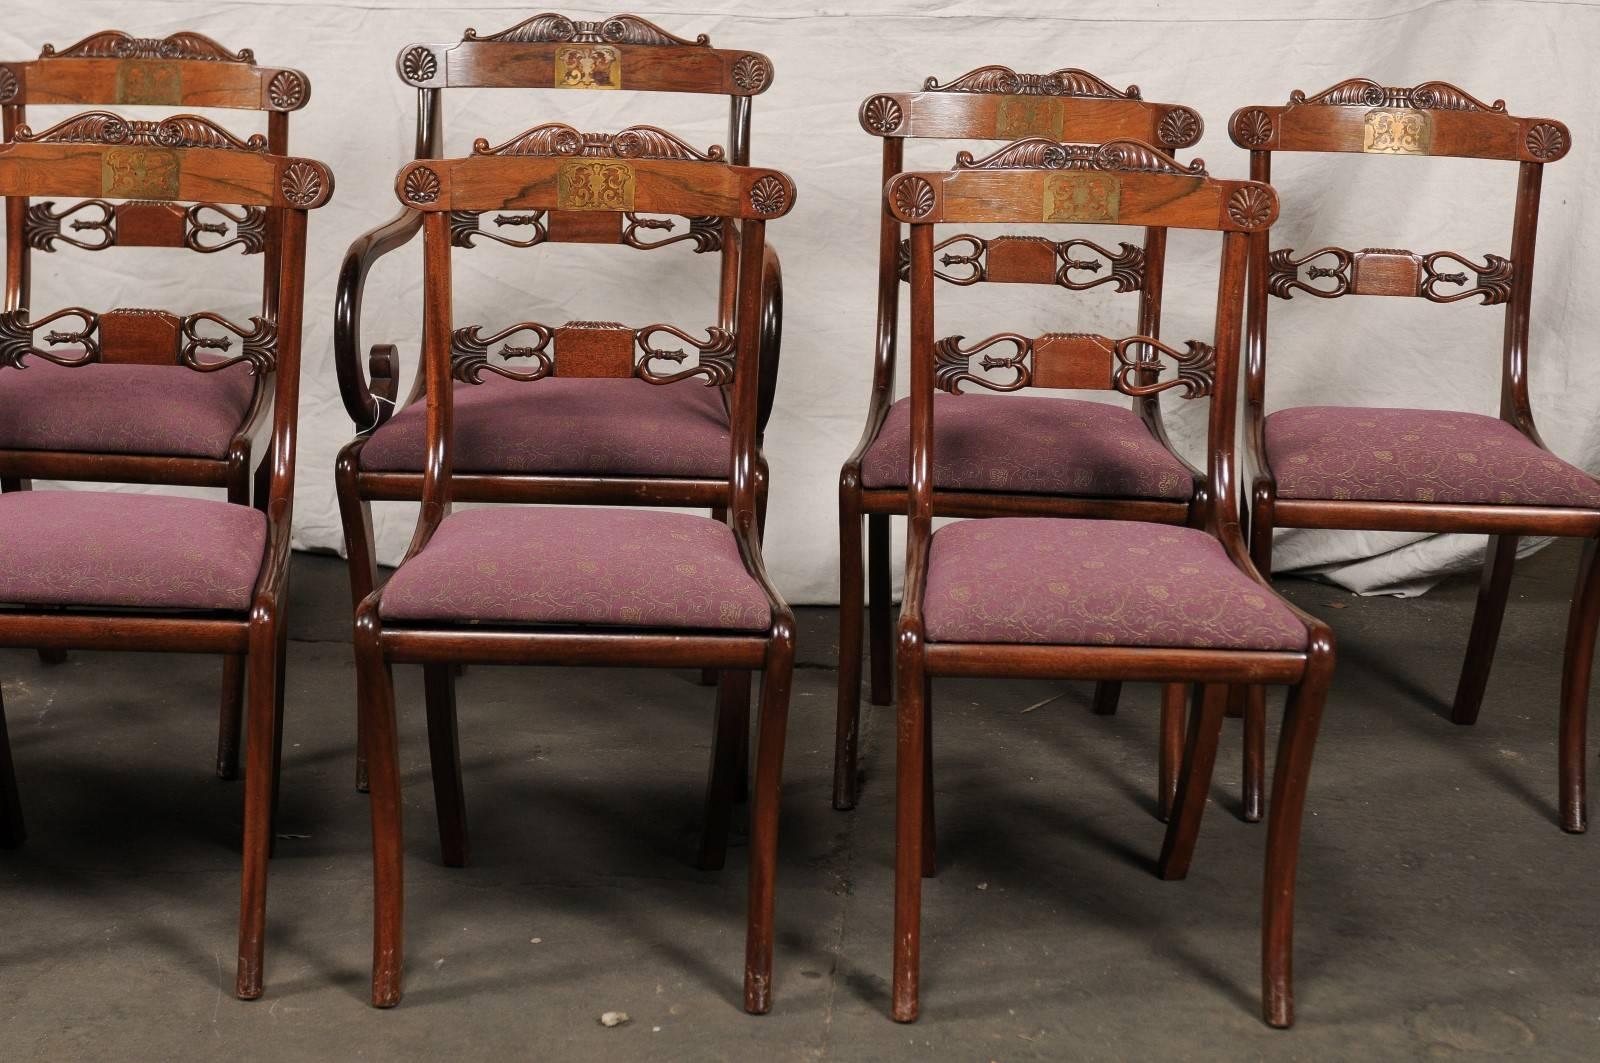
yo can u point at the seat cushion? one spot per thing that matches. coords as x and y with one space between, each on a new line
560 565
123 409
574 426
1070 582
102 548
1379 455
1031 445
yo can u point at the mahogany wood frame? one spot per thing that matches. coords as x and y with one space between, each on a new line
986 104
525 56
186 70
432 189
1156 194
1439 119
286 188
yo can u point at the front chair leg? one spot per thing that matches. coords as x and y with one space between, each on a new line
911 761
1194 782
1255 752
764 821
231 719
1107 693
1493 589
375 695
12 831
259 794
852 593
444 755
930 834
355 514
1575 673
1173 698
731 730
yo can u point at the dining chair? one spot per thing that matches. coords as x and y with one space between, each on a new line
1109 599
563 585
1421 470
586 446
83 570
128 422
1121 463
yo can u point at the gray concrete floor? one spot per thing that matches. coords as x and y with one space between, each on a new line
1442 913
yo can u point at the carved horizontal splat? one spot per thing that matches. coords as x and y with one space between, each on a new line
1389 272
1077 361
179 131
557 226
115 44
1117 156
467 225
558 140
17 337
1032 260
202 227
592 349
137 336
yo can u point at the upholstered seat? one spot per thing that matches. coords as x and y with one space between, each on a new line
562 565
578 426
1069 582
1031 445
1384 455
123 409
102 548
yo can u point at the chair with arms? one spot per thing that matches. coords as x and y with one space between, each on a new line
559 585
104 570
1114 599
1122 466
585 446
1421 470
123 421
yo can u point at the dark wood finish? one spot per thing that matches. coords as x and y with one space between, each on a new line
745 195
624 53
253 641
987 104
1306 672
183 70
1434 118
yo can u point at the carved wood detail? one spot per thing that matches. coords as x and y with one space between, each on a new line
882 114
913 197
558 140
42 225
16 337
1389 272
1116 156
594 349
470 350
138 335
258 344
1004 81
559 29
10 84
1032 260
1076 360
249 228
115 44
179 131
716 355
1364 92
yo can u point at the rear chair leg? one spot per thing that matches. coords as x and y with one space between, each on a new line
1255 752
231 719
731 730
911 764
1106 694
1575 674
12 831
1173 697
764 820
1194 782
1493 589
444 754
259 795
930 834
852 580
880 591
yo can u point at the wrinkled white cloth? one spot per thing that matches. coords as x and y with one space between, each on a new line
1211 54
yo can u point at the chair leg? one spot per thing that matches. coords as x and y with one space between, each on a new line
1194 781
1575 673
11 485
731 730
880 594
1255 753
278 688
1173 697
355 513
259 795
1301 718
764 821
852 580
1106 694
930 832
230 720
52 656
911 760
12 830
444 755
375 694
1498 561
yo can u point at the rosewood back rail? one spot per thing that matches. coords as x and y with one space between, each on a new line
614 175
186 70
1430 119
1039 181
548 51
987 104
163 164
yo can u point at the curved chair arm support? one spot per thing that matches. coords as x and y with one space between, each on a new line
771 334
272 586
745 537
369 403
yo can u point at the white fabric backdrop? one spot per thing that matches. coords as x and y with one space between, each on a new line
1214 55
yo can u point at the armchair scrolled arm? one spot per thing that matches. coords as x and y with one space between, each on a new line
771 334
369 397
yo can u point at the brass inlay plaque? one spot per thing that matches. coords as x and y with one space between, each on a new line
1016 117
588 66
1397 132
140 173
1076 361
1082 197
143 82
594 186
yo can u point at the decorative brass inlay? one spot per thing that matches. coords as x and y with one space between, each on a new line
140 173
590 185
1016 117
588 66
1082 197
1397 132
158 84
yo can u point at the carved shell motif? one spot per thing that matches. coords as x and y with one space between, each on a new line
882 115
422 185
768 195
8 84
1179 127
418 64
1250 207
1546 142
751 72
1252 128
302 184
913 197
286 90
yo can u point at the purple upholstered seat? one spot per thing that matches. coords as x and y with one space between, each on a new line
1031 445
565 565
575 426
101 548
123 409
1067 582
1382 455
